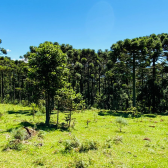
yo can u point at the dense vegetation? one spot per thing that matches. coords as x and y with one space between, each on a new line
133 73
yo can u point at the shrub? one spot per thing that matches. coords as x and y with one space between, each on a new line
20 134
25 103
74 144
71 144
79 163
120 122
13 144
41 106
108 142
88 145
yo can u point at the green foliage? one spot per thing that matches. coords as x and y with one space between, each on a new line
67 97
41 105
71 144
14 145
108 143
25 103
88 145
48 66
19 133
76 145
79 163
121 122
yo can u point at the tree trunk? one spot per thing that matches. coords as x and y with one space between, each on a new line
154 78
99 81
2 87
134 94
47 109
58 115
88 87
92 94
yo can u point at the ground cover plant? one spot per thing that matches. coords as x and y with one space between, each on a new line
143 142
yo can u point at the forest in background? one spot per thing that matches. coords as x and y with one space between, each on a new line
133 73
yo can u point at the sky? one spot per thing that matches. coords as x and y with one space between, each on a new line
94 24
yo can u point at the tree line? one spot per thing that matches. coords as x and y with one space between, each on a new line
133 73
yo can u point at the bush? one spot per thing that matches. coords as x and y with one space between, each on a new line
13 144
80 163
20 134
74 144
88 145
120 122
108 142
25 103
41 106
71 144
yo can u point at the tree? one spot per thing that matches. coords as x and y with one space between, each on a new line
48 68
2 50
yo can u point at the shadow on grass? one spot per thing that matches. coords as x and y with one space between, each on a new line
42 126
25 112
39 126
127 114
114 113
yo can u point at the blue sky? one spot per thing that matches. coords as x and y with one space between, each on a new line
94 24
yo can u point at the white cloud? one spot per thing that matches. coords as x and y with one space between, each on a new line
8 50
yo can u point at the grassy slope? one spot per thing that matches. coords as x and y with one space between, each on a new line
133 152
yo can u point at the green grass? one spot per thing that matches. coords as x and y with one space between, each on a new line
115 148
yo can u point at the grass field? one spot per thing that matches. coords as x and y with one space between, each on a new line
100 144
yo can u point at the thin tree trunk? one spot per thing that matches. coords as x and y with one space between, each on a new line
58 115
134 94
47 109
88 88
99 81
2 87
154 78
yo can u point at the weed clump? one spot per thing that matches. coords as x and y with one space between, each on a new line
13 144
71 144
74 144
88 145
80 163
108 142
